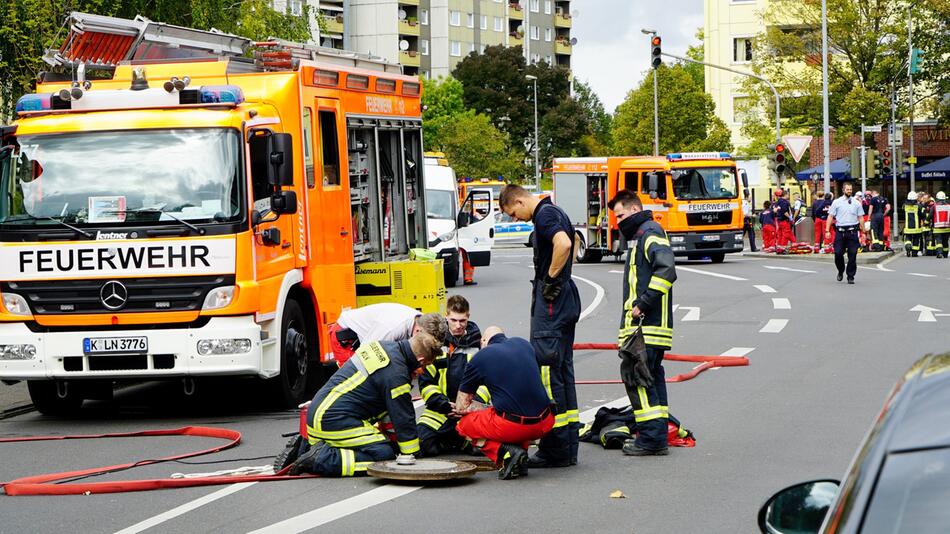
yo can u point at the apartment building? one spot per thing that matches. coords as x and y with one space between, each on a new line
430 37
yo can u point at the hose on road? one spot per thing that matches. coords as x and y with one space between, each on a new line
705 362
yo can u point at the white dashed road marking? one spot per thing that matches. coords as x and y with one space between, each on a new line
708 273
765 289
774 326
775 268
781 304
922 275
185 508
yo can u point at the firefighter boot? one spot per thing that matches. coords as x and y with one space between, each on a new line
513 459
304 463
290 453
630 448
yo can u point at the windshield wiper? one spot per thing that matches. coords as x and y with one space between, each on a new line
79 231
199 230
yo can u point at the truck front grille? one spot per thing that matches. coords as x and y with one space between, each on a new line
176 293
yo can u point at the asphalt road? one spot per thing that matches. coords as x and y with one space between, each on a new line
823 357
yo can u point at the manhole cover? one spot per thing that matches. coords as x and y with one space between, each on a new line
424 469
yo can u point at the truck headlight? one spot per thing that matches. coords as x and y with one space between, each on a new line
677 239
738 237
15 304
17 352
219 297
448 236
211 347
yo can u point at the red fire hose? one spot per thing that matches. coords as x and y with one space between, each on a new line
56 483
705 361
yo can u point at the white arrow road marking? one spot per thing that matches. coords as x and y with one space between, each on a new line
185 508
598 297
781 304
707 273
927 314
692 313
734 351
774 326
765 289
776 268
922 275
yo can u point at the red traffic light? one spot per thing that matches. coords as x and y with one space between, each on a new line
887 162
656 41
779 148
887 153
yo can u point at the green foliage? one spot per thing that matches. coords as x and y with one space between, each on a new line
441 98
597 141
687 118
28 27
474 147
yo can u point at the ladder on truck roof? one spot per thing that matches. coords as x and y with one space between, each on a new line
101 43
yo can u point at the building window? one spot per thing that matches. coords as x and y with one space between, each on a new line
456 49
498 23
424 17
742 49
470 22
535 5
295 7
535 33
535 58
484 22
455 18
547 7
471 47
547 34
424 46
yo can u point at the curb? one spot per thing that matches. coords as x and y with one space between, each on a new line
864 258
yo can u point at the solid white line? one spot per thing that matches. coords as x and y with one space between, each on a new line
738 351
598 298
781 304
776 268
765 289
615 272
185 508
332 512
774 326
707 273
881 267
923 275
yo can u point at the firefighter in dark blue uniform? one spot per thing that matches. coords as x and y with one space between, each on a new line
648 306
555 310
439 382
341 421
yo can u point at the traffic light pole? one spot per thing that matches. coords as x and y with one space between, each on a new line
910 80
656 116
894 168
778 103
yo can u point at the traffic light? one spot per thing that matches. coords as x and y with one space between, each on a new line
855 162
886 163
777 162
873 162
657 60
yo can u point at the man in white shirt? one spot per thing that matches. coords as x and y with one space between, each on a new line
748 217
387 321
848 215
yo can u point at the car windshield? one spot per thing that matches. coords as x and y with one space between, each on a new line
122 176
440 204
705 183
911 493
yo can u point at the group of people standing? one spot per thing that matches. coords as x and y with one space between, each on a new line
926 224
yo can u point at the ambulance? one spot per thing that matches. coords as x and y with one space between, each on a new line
453 229
202 205
696 197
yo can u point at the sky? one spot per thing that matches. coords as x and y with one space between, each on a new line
612 54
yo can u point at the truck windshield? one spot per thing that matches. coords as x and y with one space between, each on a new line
705 183
123 176
440 204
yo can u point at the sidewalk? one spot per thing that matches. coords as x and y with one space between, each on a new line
864 258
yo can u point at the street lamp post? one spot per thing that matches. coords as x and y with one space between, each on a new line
537 161
656 105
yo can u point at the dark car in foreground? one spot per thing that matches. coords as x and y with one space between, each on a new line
900 479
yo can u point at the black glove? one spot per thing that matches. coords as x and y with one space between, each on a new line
633 362
551 289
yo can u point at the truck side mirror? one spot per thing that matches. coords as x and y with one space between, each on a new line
745 178
284 202
653 183
272 158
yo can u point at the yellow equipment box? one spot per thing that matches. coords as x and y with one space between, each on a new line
418 284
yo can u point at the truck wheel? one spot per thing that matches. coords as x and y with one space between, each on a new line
717 258
451 272
584 254
55 397
289 388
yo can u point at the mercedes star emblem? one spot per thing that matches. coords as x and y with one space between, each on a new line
113 295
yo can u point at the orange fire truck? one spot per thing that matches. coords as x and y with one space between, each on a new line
194 211
696 197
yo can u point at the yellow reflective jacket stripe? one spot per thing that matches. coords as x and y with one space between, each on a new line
429 391
546 380
347 460
400 390
355 442
338 391
660 284
409 447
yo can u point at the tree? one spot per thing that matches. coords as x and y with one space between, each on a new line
597 141
28 27
441 98
474 147
687 119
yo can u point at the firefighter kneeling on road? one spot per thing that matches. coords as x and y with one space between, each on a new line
342 437
521 410
439 383
646 329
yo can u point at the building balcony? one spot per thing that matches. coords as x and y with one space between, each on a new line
562 47
514 11
409 2
562 21
515 39
409 27
410 58
334 24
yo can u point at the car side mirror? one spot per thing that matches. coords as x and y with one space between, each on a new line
464 219
800 508
284 202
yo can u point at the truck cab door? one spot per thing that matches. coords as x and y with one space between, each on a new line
273 228
476 226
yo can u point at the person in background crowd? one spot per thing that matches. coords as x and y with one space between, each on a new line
748 220
819 211
783 219
941 224
769 228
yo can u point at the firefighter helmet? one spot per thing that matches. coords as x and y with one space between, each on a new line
911 195
941 196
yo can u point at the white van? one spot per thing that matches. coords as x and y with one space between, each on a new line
471 228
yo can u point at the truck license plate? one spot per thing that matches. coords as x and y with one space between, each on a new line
710 238
107 345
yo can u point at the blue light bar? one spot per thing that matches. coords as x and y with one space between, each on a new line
221 94
34 102
674 156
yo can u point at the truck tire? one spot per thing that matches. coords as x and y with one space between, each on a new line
289 388
718 257
584 254
451 271
55 397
